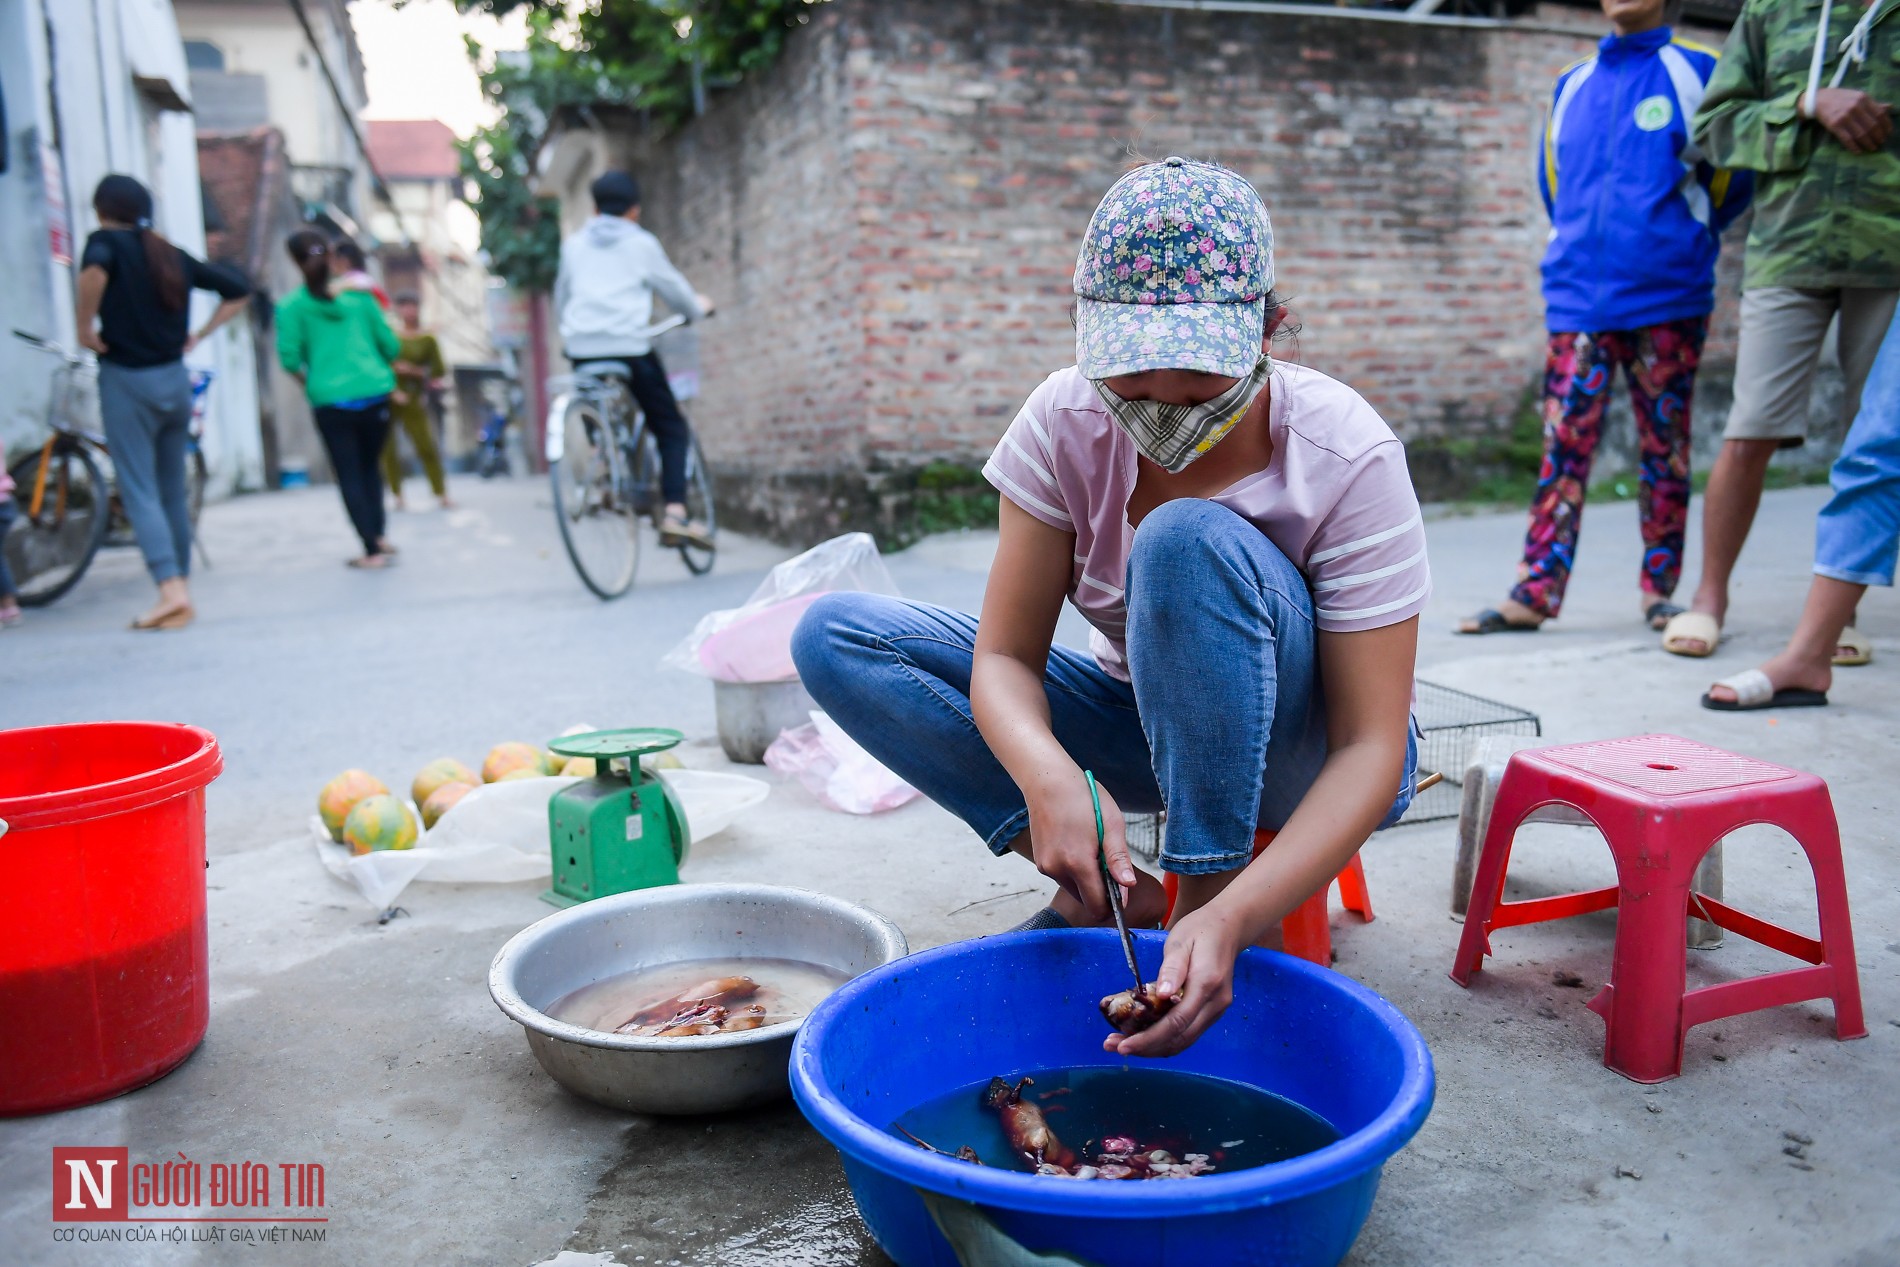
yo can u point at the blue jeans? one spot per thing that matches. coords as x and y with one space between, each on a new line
1223 723
1857 536
147 417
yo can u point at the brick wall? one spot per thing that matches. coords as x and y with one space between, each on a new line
890 217
758 205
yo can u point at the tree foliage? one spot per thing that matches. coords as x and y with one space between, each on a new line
639 53
521 233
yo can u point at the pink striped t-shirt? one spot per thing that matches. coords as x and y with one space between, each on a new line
1336 499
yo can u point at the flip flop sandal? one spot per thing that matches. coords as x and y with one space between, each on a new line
1043 920
1754 691
1691 626
1658 615
1491 620
1860 649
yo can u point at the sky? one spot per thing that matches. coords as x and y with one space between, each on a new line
414 62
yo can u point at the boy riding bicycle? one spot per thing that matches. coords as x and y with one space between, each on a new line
610 270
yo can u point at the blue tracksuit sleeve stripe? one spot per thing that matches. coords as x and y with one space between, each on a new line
1547 169
1730 192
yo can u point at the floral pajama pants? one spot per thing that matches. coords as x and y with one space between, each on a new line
1659 363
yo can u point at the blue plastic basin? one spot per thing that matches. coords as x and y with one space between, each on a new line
920 1027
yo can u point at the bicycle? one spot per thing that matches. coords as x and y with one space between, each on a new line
605 468
491 455
69 506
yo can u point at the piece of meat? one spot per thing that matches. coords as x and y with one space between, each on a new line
679 1014
1132 1011
1024 1126
750 1016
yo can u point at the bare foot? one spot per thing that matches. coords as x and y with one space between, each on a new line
447 502
1786 672
159 611
174 602
371 562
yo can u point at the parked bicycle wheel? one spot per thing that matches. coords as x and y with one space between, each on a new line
50 550
119 527
592 502
699 498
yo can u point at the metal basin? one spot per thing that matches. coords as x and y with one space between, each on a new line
651 928
752 714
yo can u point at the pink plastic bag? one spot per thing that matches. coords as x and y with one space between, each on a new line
753 643
758 646
835 769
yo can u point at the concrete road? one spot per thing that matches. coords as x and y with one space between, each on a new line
375 1049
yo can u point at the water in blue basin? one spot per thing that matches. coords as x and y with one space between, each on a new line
944 1021
1235 1125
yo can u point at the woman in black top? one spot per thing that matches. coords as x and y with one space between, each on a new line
137 287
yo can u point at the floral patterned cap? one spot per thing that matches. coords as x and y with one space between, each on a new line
1174 274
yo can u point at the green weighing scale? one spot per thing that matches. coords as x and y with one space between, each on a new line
622 829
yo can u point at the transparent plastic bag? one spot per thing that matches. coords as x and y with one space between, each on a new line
713 799
498 833
753 643
835 769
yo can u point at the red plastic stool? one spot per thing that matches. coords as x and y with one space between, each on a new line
1307 931
1662 802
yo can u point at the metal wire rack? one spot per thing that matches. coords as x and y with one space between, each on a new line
1451 721
1145 832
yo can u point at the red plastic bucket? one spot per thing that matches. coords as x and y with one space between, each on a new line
104 967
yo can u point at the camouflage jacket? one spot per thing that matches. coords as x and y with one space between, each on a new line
1823 217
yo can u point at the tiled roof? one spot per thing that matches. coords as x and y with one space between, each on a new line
413 149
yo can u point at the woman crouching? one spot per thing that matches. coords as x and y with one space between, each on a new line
1244 539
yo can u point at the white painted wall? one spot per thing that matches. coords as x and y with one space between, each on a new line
29 300
76 115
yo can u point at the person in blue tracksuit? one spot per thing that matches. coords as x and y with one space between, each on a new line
1636 220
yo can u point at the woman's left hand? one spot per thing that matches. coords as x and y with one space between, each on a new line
1197 970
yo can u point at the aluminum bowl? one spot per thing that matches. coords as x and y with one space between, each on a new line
651 928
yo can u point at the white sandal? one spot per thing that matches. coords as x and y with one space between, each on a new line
1754 691
1860 649
1691 626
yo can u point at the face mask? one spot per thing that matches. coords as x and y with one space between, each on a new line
1171 436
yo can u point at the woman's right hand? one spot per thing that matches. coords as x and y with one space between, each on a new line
1062 835
93 342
